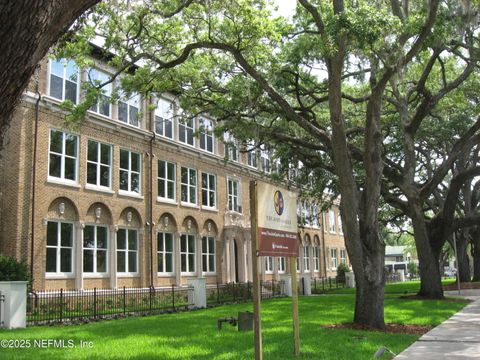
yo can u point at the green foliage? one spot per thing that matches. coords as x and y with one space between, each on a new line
412 268
13 270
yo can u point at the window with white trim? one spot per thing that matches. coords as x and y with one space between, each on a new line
130 171
298 264
281 264
209 190
331 221
64 80
164 118
233 195
165 259
340 226
265 161
231 147
129 109
251 155
103 104
305 213
268 264
343 256
127 251
59 259
333 255
187 253
208 254
166 180
63 156
99 164
95 249
316 259
206 135
186 129
315 216
306 258
189 185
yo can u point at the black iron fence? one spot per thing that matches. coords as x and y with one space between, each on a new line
320 285
72 305
238 292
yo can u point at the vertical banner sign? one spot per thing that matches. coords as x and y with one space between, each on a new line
277 232
273 212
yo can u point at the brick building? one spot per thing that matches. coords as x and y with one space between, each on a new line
134 197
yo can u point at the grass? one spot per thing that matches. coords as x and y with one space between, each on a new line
193 335
407 287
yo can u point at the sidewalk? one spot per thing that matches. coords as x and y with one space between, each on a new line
456 338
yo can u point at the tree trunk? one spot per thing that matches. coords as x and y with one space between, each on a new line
476 254
428 258
29 28
463 261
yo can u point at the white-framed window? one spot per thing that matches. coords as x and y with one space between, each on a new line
265 161
189 185
64 82
208 254
59 259
340 226
206 135
209 190
130 171
231 147
306 258
129 109
268 264
99 164
333 256
127 251
316 259
298 264
166 180
233 195
186 129
164 118
315 215
63 156
252 157
95 249
331 221
165 258
343 256
187 254
103 104
281 264
305 213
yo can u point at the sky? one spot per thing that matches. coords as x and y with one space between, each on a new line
285 7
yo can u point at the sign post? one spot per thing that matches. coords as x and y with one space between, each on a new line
274 233
257 324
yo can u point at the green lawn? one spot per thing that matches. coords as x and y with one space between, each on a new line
407 287
193 335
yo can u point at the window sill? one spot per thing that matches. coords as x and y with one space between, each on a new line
59 276
212 209
187 144
209 273
189 205
130 194
99 189
268 272
95 276
165 275
166 201
128 275
188 274
57 181
332 232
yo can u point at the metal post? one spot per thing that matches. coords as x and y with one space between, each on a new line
61 305
124 301
456 258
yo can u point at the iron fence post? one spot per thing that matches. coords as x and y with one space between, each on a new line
173 297
61 305
124 301
94 303
218 293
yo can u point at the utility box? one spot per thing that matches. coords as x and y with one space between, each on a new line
13 304
245 321
349 279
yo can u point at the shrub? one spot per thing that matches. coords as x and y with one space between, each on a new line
341 270
13 270
412 268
